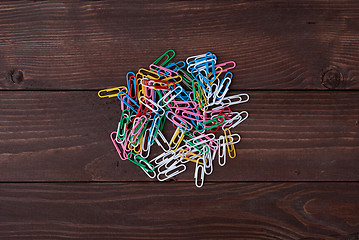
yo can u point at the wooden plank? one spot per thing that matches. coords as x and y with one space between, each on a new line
64 136
93 44
179 211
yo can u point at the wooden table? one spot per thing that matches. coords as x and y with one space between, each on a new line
296 173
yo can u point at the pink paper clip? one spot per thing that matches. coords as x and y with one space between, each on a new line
153 95
181 123
180 104
162 71
120 154
148 92
187 114
224 64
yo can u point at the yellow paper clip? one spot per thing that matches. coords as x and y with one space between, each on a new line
197 93
146 73
140 88
130 146
217 75
138 148
184 156
109 90
231 149
174 144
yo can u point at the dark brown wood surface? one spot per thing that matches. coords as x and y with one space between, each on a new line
179 211
59 136
93 44
296 173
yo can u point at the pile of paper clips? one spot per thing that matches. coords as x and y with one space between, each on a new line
193 100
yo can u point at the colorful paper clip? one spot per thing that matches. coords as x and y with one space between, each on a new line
111 92
189 95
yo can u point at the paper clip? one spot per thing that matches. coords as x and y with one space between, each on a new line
170 173
180 122
164 142
202 80
138 128
163 102
154 128
199 171
162 84
189 60
198 96
234 139
242 98
221 113
215 122
208 166
113 139
156 108
123 100
212 96
176 139
146 73
222 151
177 66
185 75
208 139
223 89
169 162
231 149
148 166
172 166
121 129
138 158
183 93
162 71
186 154
132 87
195 60
145 145
197 147
229 75
117 90
138 145
191 115
163 158
234 119
130 75
225 69
215 76
165 61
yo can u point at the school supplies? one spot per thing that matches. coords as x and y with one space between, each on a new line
188 96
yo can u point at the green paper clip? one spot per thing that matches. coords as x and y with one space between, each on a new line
137 162
125 118
215 122
167 59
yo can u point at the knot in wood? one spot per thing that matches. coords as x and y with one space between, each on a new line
331 78
15 76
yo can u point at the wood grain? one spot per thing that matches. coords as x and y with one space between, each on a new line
93 44
179 211
64 136
60 177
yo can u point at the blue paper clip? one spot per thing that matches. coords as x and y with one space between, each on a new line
126 103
